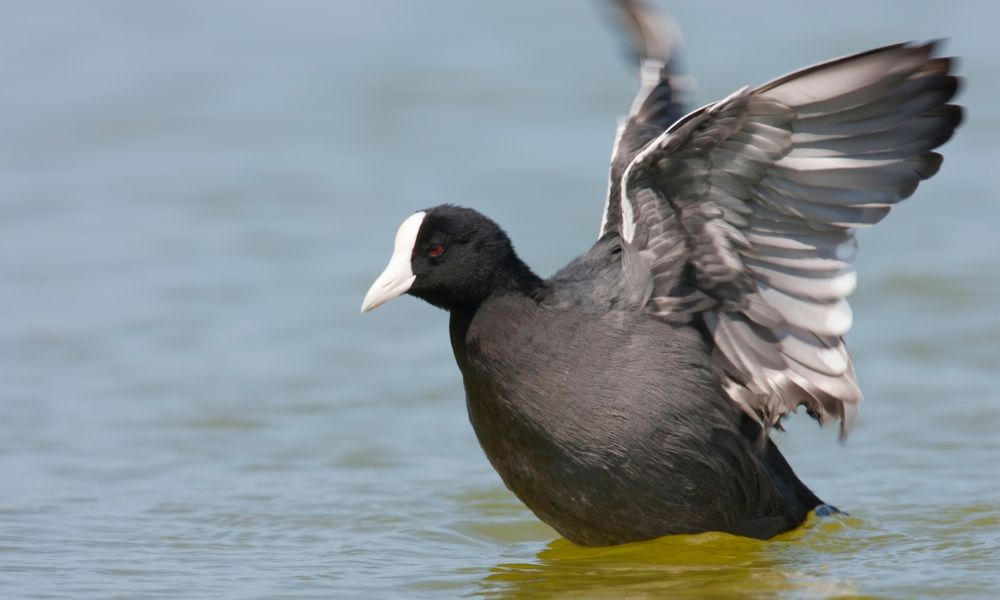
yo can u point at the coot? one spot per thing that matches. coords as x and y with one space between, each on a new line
630 395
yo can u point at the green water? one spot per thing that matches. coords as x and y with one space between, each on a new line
195 196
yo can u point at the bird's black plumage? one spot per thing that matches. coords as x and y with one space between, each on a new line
630 395
613 427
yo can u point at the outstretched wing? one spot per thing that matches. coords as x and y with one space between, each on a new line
662 98
747 209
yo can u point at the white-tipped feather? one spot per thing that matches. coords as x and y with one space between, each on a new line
757 197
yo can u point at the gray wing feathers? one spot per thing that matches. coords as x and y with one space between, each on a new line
662 97
746 211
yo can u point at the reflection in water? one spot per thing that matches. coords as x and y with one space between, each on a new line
708 564
828 556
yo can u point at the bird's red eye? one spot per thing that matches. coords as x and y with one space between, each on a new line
435 251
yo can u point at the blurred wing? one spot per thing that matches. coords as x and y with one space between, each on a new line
747 207
660 101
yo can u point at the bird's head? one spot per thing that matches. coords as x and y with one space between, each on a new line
448 256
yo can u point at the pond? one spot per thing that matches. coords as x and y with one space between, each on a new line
194 198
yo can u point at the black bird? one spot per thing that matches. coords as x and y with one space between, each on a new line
630 395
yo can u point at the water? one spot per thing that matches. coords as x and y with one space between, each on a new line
194 198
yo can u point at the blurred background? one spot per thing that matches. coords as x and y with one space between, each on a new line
194 197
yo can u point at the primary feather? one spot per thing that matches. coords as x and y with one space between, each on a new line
746 209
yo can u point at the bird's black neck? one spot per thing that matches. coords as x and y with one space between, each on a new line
512 276
506 276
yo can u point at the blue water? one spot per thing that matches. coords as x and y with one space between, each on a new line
195 196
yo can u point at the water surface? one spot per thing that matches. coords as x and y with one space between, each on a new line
195 196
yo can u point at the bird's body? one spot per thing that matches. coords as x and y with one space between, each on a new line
560 394
631 395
